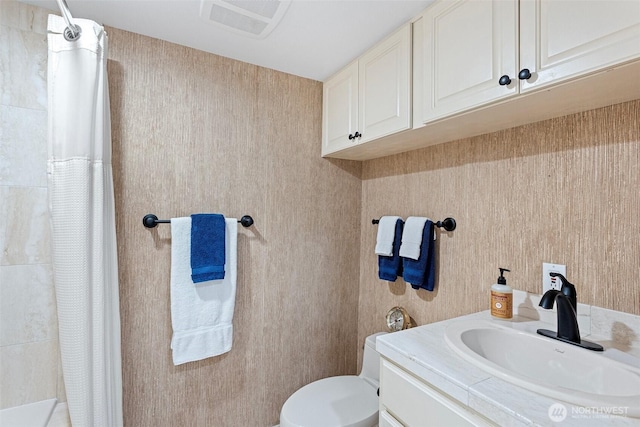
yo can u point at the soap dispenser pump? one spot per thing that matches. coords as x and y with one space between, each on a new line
501 298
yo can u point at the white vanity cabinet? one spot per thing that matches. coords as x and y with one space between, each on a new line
480 52
408 401
371 98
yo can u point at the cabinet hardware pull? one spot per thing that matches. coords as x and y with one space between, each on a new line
504 80
356 135
524 74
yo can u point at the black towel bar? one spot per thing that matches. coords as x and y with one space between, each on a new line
150 221
448 224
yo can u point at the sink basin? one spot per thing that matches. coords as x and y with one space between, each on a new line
549 367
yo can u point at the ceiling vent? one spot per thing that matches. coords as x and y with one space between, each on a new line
250 18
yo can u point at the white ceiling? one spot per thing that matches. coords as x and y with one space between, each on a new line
315 38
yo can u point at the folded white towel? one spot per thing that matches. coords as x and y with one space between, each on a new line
412 237
201 313
386 234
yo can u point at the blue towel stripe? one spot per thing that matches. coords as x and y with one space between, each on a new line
210 269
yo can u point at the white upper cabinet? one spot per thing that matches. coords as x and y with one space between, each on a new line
479 52
480 66
560 40
385 87
468 46
340 110
371 98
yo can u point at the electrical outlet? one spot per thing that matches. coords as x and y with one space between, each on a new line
549 282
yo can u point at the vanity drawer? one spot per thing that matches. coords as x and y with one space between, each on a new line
414 403
387 420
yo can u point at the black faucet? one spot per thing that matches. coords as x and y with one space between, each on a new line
566 304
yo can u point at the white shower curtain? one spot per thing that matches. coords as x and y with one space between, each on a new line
82 212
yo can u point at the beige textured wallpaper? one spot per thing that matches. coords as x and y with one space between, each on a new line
565 190
194 132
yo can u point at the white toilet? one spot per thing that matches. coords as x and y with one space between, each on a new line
344 401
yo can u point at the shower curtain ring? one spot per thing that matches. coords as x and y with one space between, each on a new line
72 34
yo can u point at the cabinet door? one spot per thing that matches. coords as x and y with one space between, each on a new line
340 110
468 46
414 403
385 87
561 39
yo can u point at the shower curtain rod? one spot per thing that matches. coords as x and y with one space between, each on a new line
72 32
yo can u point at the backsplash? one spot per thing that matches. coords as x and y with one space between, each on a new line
617 327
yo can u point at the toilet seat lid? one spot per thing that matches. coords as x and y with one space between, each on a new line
345 401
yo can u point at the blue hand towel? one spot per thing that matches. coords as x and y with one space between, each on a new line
421 273
390 267
207 247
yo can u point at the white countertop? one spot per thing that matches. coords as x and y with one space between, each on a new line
424 352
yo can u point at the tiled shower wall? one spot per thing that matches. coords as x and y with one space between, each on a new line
29 361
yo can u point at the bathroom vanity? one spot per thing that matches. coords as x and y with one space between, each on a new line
426 380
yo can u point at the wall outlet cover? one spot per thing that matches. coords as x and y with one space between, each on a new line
549 282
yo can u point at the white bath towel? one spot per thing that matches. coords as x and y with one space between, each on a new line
412 237
386 235
201 313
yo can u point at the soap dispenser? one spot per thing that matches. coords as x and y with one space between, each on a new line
501 298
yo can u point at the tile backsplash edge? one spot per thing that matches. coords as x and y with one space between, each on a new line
596 321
